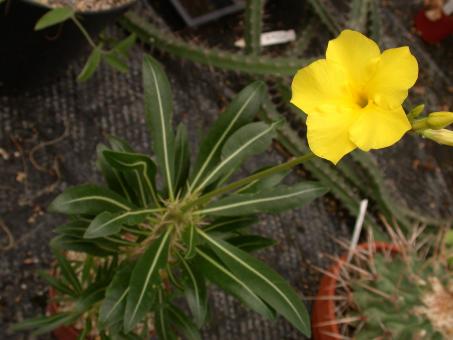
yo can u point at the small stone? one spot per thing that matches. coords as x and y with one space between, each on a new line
21 176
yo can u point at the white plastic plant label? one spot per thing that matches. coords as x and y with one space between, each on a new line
272 38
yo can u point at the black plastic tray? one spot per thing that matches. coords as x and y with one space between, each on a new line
197 12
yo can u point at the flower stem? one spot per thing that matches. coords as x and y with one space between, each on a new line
262 174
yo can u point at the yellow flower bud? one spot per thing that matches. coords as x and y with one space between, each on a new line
441 136
439 120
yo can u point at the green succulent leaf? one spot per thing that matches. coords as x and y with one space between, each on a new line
158 113
91 64
53 17
216 272
239 112
107 223
88 199
59 285
250 243
144 280
182 157
45 324
267 201
262 280
162 320
144 170
182 323
230 224
114 303
85 246
116 61
247 141
125 45
119 144
195 292
115 180
68 272
265 183
189 239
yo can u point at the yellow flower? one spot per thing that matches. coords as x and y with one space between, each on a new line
353 97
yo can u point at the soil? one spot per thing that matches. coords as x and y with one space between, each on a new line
85 5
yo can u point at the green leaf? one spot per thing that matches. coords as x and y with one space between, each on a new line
44 324
57 284
125 45
185 326
182 157
250 243
88 299
251 139
88 199
162 321
195 292
144 169
113 177
86 330
216 272
119 144
230 224
145 279
239 112
264 183
114 60
262 280
188 237
53 17
267 201
91 64
68 272
158 113
114 303
94 247
106 223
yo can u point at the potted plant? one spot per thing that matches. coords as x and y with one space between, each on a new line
401 289
160 241
164 227
32 52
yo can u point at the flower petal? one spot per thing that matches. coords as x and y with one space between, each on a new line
318 84
396 72
328 133
356 53
378 128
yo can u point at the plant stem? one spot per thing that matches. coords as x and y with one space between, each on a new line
84 32
262 174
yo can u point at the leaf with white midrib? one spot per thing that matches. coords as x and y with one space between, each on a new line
143 168
242 116
198 302
111 223
144 275
251 299
270 286
259 137
158 95
270 200
88 199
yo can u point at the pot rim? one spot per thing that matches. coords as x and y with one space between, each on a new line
323 310
89 13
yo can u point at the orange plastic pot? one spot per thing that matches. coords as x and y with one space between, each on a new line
323 311
63 332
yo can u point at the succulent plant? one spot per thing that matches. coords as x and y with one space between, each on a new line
402 294
165 238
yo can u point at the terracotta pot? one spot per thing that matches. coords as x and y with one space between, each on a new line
323 310
63 332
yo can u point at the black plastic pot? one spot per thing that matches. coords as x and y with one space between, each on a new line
31 58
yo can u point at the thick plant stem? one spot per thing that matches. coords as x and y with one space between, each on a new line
259 175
